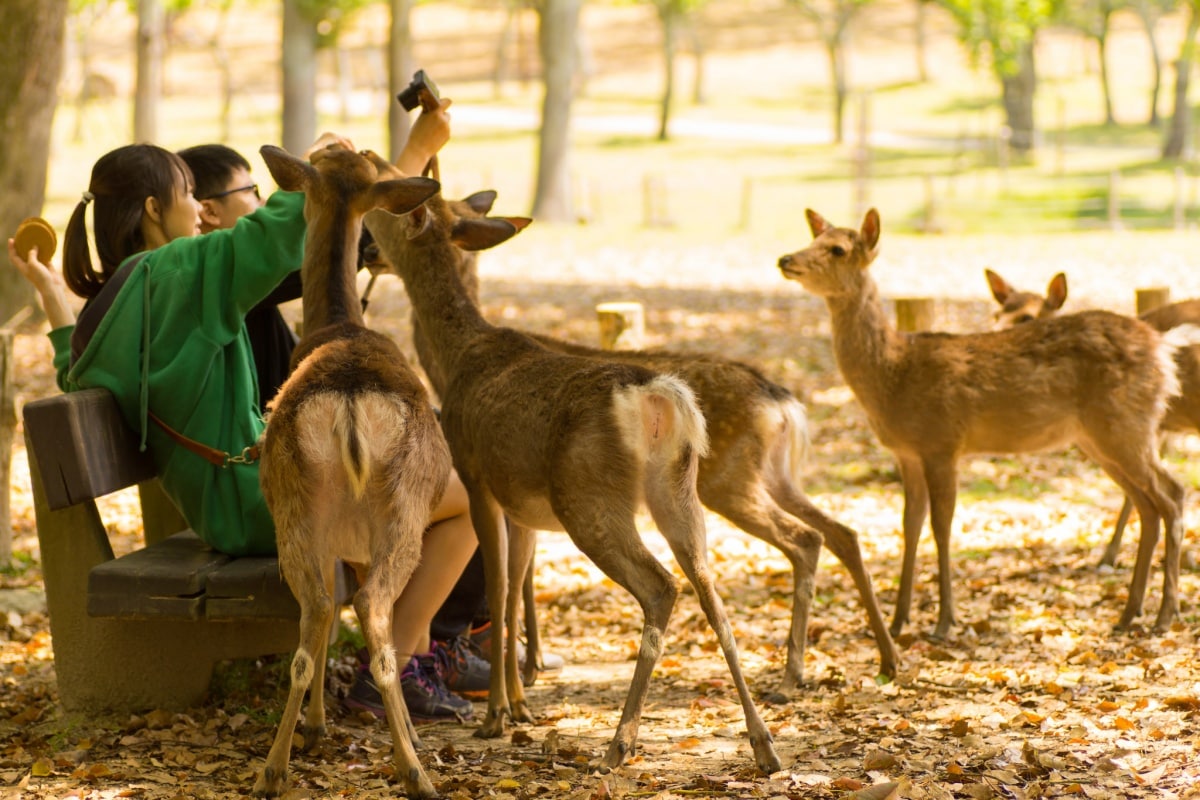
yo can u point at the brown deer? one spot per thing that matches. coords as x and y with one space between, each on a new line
1096 379
561 442
751 474
1183 413
353 461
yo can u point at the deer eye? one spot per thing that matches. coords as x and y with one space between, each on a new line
1023 318
838 250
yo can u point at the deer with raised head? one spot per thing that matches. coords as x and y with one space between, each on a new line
353 461
751 475
561 442
1096 379
1183 413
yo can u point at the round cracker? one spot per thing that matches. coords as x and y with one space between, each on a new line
35 232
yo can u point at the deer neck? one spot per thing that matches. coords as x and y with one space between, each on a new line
446 316
865 344
330 289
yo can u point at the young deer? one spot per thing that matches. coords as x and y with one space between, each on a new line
353 461
1183 413
1097 379
560 442
751 474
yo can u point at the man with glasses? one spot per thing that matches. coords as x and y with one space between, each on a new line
226 193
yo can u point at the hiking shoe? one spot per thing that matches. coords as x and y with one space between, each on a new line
424 692
460 667
481 641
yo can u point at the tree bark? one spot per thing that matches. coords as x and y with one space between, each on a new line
1180 126
670 27
400 72
1149 17
299 78
557 24
150 31
32 34
1018 92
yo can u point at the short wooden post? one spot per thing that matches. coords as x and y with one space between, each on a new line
622 325
1151 297
8 431
914 314
654 197
747 194
1178 217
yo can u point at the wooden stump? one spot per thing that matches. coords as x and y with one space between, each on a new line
1151 297
8 428
622 325
914 314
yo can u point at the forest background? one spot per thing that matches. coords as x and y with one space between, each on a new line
681 194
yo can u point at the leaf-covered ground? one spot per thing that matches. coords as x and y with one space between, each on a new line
1032 695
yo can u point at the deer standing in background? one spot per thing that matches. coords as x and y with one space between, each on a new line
1183 413
751 475
353 461
560 442
1096 379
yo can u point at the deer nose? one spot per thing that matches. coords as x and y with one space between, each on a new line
785 262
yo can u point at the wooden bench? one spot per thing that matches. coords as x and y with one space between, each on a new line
144 630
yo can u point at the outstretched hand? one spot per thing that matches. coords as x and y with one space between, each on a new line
429 134
49 285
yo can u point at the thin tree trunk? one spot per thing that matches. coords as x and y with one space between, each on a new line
1180 126
837 72
699 97
670 26
1150 21
922 44
1105 81
502 67
400 72
299 78
558 21
31 37
150 29
1018 93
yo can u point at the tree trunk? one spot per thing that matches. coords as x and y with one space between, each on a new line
1149 21
150 31
670 28
400 72
557 24
299 78
502 68
922 44
1105 82
1018 91
699 97
837 72
31 37
1180 127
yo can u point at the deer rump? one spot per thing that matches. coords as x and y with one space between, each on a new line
357 446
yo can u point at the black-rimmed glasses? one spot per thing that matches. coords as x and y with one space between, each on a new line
250 188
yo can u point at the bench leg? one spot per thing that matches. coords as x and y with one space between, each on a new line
127 665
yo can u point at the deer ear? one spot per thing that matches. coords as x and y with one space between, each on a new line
870 230
481 202
480 234
1001 289
420 218
402 195
816 223
1056 292
290 173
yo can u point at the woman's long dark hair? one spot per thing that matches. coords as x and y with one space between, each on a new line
121 181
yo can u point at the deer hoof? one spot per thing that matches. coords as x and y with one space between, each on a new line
270 783
312 736
492 727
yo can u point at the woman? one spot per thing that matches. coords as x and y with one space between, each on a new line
163 330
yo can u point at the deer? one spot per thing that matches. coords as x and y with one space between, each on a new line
1096 379
751 475
353 460
561 442
1183 413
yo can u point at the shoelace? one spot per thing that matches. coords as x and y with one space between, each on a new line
422 666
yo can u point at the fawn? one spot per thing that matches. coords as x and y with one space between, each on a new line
1183 413
751 474
561 442
353 461
1097 379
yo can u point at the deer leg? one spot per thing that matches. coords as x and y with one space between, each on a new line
488 520
916 503
373 604
1113 550
681 522
843 543
314 716
941 477
521 544
760 517
316 609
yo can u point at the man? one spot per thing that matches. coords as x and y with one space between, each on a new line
226 193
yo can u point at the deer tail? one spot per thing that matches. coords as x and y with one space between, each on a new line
353 445
1174 340
792 447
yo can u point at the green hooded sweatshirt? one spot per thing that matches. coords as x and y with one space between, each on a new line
174 342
